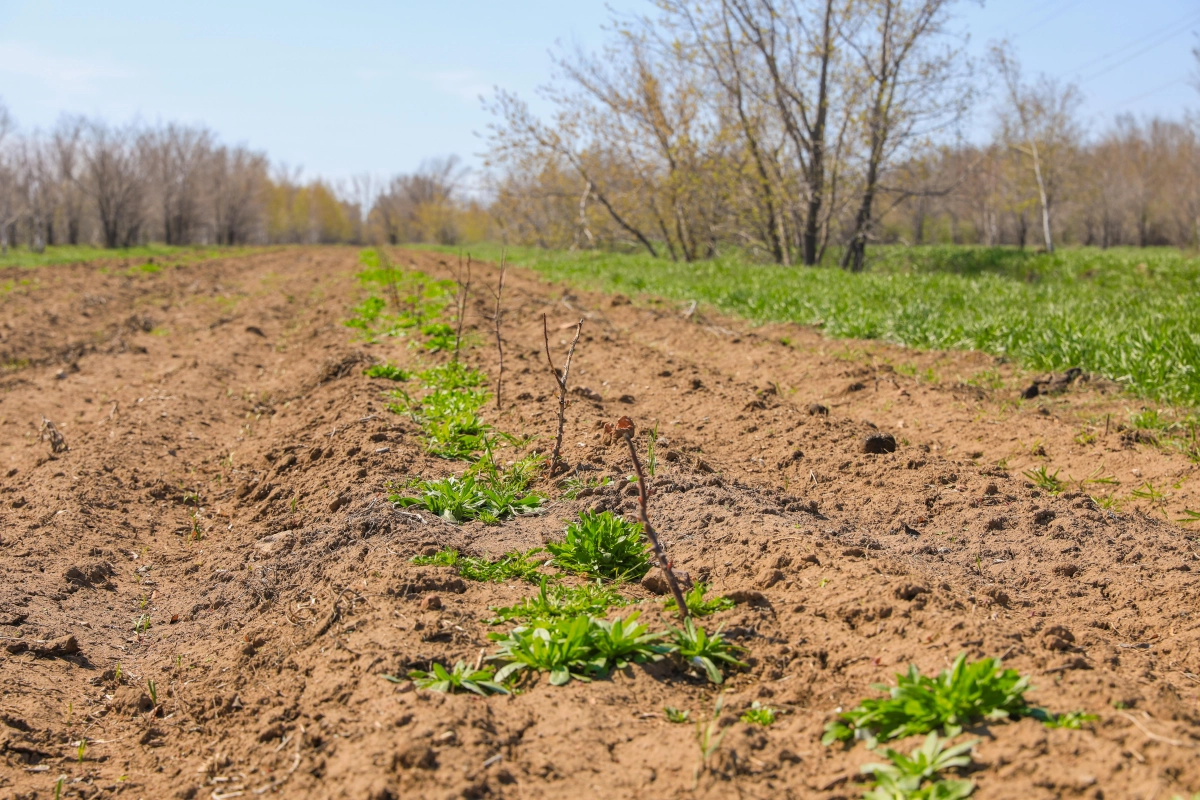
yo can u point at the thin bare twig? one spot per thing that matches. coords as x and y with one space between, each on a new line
499 342
664 563
561 381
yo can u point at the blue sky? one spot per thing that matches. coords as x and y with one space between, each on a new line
369 86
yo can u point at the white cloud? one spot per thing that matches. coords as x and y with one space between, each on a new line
61 73
465 84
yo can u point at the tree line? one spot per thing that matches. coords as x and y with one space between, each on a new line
797 131
803 130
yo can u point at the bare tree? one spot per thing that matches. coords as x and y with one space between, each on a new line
1039 121
912 83
114 179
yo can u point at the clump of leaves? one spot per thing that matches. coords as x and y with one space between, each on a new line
758 714
467 498
603 545
916 776
577 647
676 715
452 375
510 565
1046 481
919 704
698 648
551 602
561 647
388 372
479 681
697 606
438 336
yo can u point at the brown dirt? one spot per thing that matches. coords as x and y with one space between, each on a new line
224 483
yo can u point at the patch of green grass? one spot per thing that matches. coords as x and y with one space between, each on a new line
1076 307
479 681
580 648
603 545
918 704
387 371
697 648
1046 481
758 714
697 606
510 565
552 602
918 776
80 254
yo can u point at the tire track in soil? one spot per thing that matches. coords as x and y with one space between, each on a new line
225 399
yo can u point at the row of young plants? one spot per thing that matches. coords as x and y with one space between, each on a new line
563 629
401 303
964 694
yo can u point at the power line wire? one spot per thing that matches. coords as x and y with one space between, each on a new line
1135 54
1186 19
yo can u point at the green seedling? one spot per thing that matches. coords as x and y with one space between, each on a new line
697 606
388 372
1048 482
152 687
572 487
58 786
479 681
699 649
1189 516
510 565
709 737
918 775
652 452
758 714
1070 720
117 673
81 749
552 602
917 704
676 715
604 546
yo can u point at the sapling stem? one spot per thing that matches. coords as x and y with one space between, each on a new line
561 380
464 289
499 341
659 553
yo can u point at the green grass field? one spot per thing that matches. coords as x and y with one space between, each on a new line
1132 315
29 259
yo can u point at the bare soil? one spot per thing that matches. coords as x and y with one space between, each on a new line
219 526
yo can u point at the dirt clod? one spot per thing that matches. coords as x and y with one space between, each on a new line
878 443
